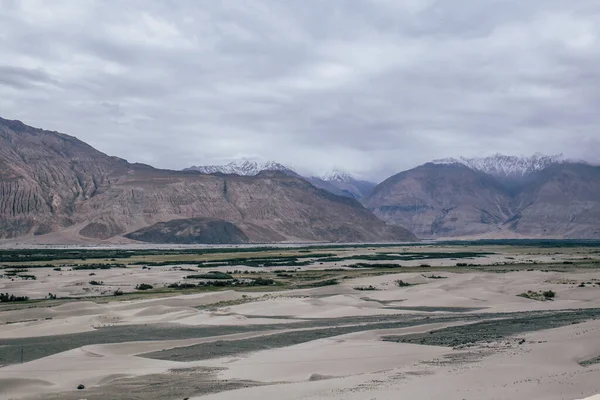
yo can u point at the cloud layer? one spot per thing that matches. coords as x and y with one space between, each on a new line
371 86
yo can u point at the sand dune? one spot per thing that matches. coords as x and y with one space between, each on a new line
350 364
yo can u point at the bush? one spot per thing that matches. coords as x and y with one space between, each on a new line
118 292
144 286
262 282
9 298
96 283
539 296
401 283
58 269
210 275
181 286
51 296
370 287
435 277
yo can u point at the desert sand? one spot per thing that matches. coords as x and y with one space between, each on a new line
329 342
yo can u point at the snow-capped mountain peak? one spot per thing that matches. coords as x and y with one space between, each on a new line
506 166
243 167
337 176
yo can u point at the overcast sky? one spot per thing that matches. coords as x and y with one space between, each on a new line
369 86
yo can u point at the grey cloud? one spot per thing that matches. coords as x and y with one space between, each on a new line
23 77
372 87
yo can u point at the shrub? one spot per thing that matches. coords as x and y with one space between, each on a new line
370 287
262 282
58 269
144 286
435 277
96 283
181 286
539 296
8 298
118 292
210 275
51 296
401 283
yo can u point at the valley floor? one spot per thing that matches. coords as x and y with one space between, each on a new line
472 322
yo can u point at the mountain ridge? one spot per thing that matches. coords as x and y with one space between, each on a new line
506 166
555 198
55 184
336 181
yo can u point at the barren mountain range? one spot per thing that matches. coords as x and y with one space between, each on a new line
335 181
56 185
533 198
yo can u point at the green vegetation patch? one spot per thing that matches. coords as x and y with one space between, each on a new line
539 296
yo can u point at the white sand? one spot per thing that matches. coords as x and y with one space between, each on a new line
543 369
354 366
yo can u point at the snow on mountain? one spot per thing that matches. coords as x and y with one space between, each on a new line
245 168
336 175
506 166
335 181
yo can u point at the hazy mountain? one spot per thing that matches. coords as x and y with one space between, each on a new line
503 196
55 184
357 188
336 182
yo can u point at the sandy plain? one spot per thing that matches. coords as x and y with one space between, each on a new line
451 333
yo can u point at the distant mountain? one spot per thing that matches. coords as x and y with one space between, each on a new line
242 168
506 166
347 184
56 188
336 181
499 196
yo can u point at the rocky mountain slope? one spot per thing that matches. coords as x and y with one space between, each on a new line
53 183
336 182
536 197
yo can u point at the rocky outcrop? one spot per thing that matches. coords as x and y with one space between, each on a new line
51 182
193 230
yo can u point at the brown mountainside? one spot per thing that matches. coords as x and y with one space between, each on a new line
453 200
51 182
